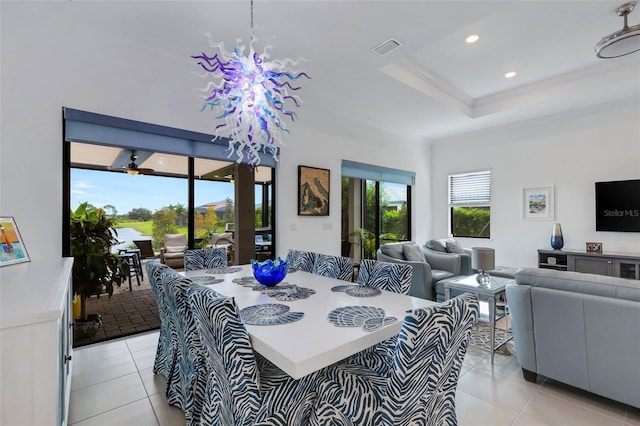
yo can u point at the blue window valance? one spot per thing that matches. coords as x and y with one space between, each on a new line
357 170
89 127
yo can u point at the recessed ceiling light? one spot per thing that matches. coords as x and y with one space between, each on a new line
510 74
472 38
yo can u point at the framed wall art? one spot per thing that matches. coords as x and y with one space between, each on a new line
12 248
313 191
538 203
593 247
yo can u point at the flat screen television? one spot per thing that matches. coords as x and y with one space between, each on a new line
618 206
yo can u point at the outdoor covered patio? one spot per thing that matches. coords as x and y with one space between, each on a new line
125 313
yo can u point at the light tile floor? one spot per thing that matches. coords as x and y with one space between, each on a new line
113 384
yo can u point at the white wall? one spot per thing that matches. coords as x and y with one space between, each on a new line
324 150
569 152
46 66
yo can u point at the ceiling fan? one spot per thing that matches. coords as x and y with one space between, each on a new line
133 168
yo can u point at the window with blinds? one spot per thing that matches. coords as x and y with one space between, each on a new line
470 204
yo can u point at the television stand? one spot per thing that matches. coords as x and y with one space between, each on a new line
622 265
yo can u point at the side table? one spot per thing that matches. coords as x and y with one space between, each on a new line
491 293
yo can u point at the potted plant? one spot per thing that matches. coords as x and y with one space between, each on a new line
95 268
367 240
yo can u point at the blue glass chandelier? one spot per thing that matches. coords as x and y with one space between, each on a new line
251 97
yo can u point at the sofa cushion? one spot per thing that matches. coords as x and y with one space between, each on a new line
174 255
437 245
393 250
413 252
175 240
439 275
445 245
175 249
454 247
597 285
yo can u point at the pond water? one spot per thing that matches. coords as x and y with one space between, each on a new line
126 236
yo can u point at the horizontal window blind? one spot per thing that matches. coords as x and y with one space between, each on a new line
357 170
470 189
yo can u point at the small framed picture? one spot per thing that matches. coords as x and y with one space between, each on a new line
538 203
12 248
594 247
313 191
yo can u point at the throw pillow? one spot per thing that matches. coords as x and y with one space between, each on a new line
175 249
437 245
454 247
393 250
413 252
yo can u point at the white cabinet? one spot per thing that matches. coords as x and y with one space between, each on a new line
35 342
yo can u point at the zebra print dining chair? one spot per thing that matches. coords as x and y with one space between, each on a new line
301 260
419 388
186 381
241 387
213 257
339 267
166 346
387 276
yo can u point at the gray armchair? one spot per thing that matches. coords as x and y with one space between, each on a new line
425 276
449 255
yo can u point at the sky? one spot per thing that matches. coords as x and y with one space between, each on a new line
127 192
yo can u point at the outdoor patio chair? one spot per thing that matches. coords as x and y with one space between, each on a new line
146 249
420 386
134 268
221 240
172 253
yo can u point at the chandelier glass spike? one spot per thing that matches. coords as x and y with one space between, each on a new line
251 97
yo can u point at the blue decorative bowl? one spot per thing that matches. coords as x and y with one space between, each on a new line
269 272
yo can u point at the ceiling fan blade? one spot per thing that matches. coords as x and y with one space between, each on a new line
145 171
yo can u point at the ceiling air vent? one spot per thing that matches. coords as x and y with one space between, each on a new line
386 47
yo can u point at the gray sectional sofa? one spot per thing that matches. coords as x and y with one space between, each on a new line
579 329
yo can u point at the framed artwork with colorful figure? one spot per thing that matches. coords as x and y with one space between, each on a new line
12 248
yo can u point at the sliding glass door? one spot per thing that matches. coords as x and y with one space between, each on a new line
374 213
177 180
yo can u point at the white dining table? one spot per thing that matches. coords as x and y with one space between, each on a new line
313 342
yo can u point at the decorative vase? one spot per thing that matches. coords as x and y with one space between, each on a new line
557 242
268 272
